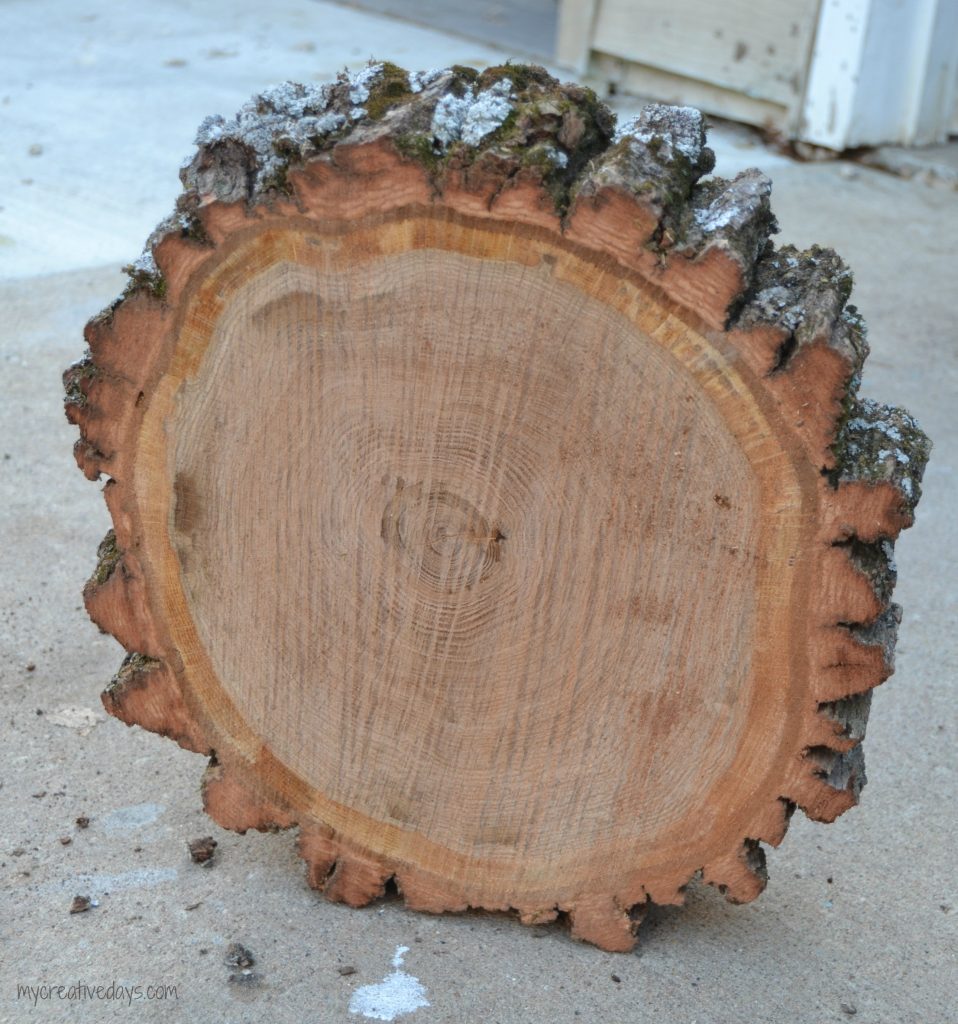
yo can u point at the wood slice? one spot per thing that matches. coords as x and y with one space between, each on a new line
491 499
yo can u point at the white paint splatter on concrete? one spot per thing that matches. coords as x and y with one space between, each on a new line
397 994
125 881
125 819
75 717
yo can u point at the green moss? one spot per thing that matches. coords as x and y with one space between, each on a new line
390 89
587 100
465 73
192 229
132 666
417 146
108 556
145 280
74 379
541 156
277 183
503 134
522 76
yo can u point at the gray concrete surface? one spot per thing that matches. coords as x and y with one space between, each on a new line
931 165
860 914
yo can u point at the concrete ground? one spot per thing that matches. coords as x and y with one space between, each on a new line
98 102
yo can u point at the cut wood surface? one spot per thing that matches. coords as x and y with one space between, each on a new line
491 499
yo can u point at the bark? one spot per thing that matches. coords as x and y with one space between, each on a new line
450 176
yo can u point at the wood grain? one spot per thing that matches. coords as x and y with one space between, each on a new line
513 528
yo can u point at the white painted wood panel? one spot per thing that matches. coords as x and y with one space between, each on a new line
574 39
665 87
936 104
833 72
760 49
837 73
882 71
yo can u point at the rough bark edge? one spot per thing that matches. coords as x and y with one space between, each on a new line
145 692
488 143
811 346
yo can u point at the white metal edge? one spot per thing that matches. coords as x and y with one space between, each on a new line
934 103
831 85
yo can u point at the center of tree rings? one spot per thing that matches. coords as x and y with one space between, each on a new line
451 545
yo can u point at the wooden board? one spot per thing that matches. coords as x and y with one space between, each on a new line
761 50
491 500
